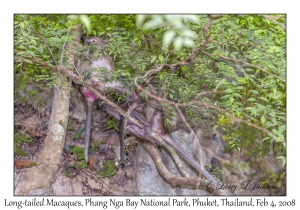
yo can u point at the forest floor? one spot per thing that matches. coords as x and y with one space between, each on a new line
102 176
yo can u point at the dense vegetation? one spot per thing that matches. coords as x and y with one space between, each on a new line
226 72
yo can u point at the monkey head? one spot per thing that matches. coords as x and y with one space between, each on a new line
95 41
95 46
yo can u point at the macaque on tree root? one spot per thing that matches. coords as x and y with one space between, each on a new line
151 115
156 125
92 66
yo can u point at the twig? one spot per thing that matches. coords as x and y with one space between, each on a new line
249 64
78 80
186 61
53 58
274 21
65 41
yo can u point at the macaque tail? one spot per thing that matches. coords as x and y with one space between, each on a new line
189 159
88 128
121 136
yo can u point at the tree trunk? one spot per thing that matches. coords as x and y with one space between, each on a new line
49 158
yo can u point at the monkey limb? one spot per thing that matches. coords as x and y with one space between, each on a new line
158 137
132 128
88 129
122 129
90 98
123 123
162 139
90 65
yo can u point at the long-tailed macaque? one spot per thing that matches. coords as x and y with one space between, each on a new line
98 68
150 115
153 116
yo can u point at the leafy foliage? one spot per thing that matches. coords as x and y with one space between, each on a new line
80 156
244 59
109 169
68 174
78 133
97 143
19 140
111 123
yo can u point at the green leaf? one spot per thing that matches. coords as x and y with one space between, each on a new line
68 174
31 53
168 38
263 119
167 121
178 43
20 152
189 33
192 18
251 99
254 91
86 22
282 159
237 95
161 58
264 99
97 143
82 164
155 22
111 124
109 169
153 59
239 88
140 19
80 156
77 135
188 42
144 95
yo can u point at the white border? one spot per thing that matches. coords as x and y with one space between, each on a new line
154 6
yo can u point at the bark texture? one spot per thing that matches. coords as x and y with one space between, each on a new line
48 161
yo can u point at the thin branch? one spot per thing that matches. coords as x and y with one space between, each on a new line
53 58
193 133
189 59
214 91
231 116
274 21
64 45
149 44
16 26
126 117
78 80
175 104
249 64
